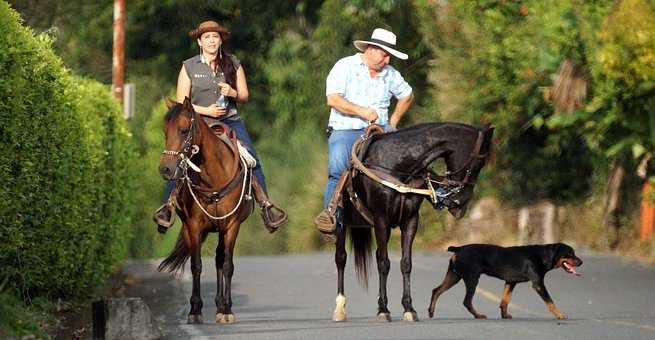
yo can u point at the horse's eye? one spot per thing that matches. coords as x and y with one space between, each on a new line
184 131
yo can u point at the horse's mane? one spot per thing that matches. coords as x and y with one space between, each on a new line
173 112
420 129
424 126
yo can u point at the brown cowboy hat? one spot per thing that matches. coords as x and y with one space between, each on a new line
209 26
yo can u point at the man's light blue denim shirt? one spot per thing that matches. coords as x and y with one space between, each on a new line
350 78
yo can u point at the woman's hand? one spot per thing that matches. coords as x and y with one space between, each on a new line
227 90
214 110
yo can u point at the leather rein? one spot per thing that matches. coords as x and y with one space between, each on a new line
435 194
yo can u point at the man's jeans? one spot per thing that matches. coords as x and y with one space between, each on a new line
237 125
339 145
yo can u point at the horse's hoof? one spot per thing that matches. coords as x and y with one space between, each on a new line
480 316
339 315
194 319
386 317
507 316
410 316
225 318
430 314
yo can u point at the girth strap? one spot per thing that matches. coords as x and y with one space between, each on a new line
357 202
215 196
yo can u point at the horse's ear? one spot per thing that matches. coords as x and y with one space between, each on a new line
187 104
169 103
488 135
489 131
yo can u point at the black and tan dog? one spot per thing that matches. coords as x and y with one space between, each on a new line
511 264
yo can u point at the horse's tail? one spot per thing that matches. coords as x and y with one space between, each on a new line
177 258
361 243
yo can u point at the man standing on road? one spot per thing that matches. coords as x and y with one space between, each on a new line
359 90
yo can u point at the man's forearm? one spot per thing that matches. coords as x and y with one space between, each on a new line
401 107
342 105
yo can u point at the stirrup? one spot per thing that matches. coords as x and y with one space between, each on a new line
162 223
267 217
325 222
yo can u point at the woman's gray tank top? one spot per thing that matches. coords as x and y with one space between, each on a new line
204 85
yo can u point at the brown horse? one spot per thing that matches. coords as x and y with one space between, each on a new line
211 196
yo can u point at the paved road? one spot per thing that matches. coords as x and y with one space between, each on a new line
292 297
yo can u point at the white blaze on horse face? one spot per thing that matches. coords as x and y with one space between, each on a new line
340 310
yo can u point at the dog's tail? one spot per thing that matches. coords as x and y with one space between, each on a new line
454 249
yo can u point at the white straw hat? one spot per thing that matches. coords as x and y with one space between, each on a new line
384 39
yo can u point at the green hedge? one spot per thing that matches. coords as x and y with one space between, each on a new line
66 171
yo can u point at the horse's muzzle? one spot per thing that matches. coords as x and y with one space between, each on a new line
457 212
170 171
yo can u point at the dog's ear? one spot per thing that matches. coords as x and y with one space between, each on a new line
561 250
550 255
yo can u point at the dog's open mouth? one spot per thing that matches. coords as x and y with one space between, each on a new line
570 269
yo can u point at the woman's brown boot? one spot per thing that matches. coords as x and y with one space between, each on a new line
273 216
164 217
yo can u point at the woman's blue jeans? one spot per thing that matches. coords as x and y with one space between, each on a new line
236 124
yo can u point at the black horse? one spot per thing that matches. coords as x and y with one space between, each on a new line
406 155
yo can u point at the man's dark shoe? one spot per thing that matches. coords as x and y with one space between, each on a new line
273 217
164 217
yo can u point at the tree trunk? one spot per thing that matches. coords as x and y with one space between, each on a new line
548 222
612 202
524 217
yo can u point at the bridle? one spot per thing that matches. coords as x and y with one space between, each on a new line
446 185
188 150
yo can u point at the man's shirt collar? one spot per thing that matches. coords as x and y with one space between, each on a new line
382 72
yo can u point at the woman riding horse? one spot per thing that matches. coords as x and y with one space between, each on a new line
211 78
213 184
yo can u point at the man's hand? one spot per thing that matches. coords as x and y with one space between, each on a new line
401 107
369 114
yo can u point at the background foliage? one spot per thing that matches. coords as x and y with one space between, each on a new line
67 172
488 61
